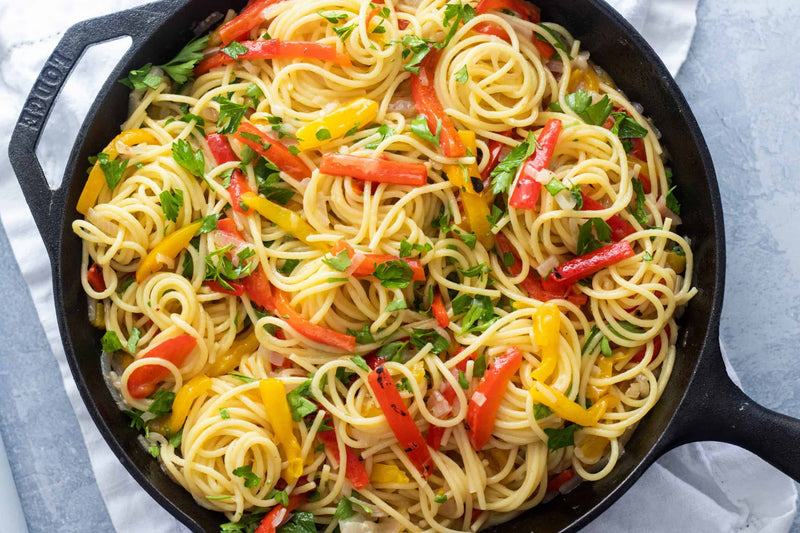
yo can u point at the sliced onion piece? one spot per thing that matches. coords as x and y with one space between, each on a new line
547 265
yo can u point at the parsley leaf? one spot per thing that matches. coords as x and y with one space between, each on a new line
288 266
162 403
407 249
419 127
627 128
191 160
345 31
462 75
394 351
581 104
360 363
421 337
414 51
171 201
251 480
476 271
454 15
541 411
554 187
559 40
112 169
363 336
234 50
463 382
469 239
561 438
384 131
586 240
339 263
181 67
230 115
268 181
503 174
255 94
142 78
301 522
280 496
323 134
394 274
480 313
110 342
209 223
637 210
479 367
299 403
334 17
396 305
133 340
223 413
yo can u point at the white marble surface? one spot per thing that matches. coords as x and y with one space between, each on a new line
740 79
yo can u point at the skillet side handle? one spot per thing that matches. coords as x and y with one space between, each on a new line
716 409
47 205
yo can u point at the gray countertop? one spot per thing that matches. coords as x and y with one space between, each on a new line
740 79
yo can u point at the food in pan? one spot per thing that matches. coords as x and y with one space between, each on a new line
383 266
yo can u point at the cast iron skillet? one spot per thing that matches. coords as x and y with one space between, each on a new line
700 402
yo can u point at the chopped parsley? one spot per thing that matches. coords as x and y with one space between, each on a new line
419 127
394 274
503 174
191 160
230 115
251 480
234 50
462 75
171 202
340 262
112 169
561 438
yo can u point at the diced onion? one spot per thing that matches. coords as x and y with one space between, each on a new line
666 212
355 262
544 176
565 200
438 405
404 106
478 398
556 66
547 265
279 516
276 359
582 61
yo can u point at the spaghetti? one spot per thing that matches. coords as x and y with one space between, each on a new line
407 265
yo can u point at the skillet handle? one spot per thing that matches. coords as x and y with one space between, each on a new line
47 205
716 409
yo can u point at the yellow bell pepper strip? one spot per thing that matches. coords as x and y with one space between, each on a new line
546 325
569 410
191 390
245 344
388 473
475 205
591 82
593 447
273 394
286 219
336 124
606 366
97 180
170 247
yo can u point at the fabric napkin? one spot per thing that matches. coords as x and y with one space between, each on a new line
702 487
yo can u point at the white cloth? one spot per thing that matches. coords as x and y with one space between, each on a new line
708 487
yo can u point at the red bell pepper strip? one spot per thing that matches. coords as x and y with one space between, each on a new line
274 49
495 150
656 348
222 152
584 266
401 423
434 437
95 278
526 191
143 380
486 400
620 228
237 289
249 18
355 470
228 225
427 103
309 330
556 482
275 152
373 169
544 48
439 312
279 514
371 261
259 290
524 9
532 284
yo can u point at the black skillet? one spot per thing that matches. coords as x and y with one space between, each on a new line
699 403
